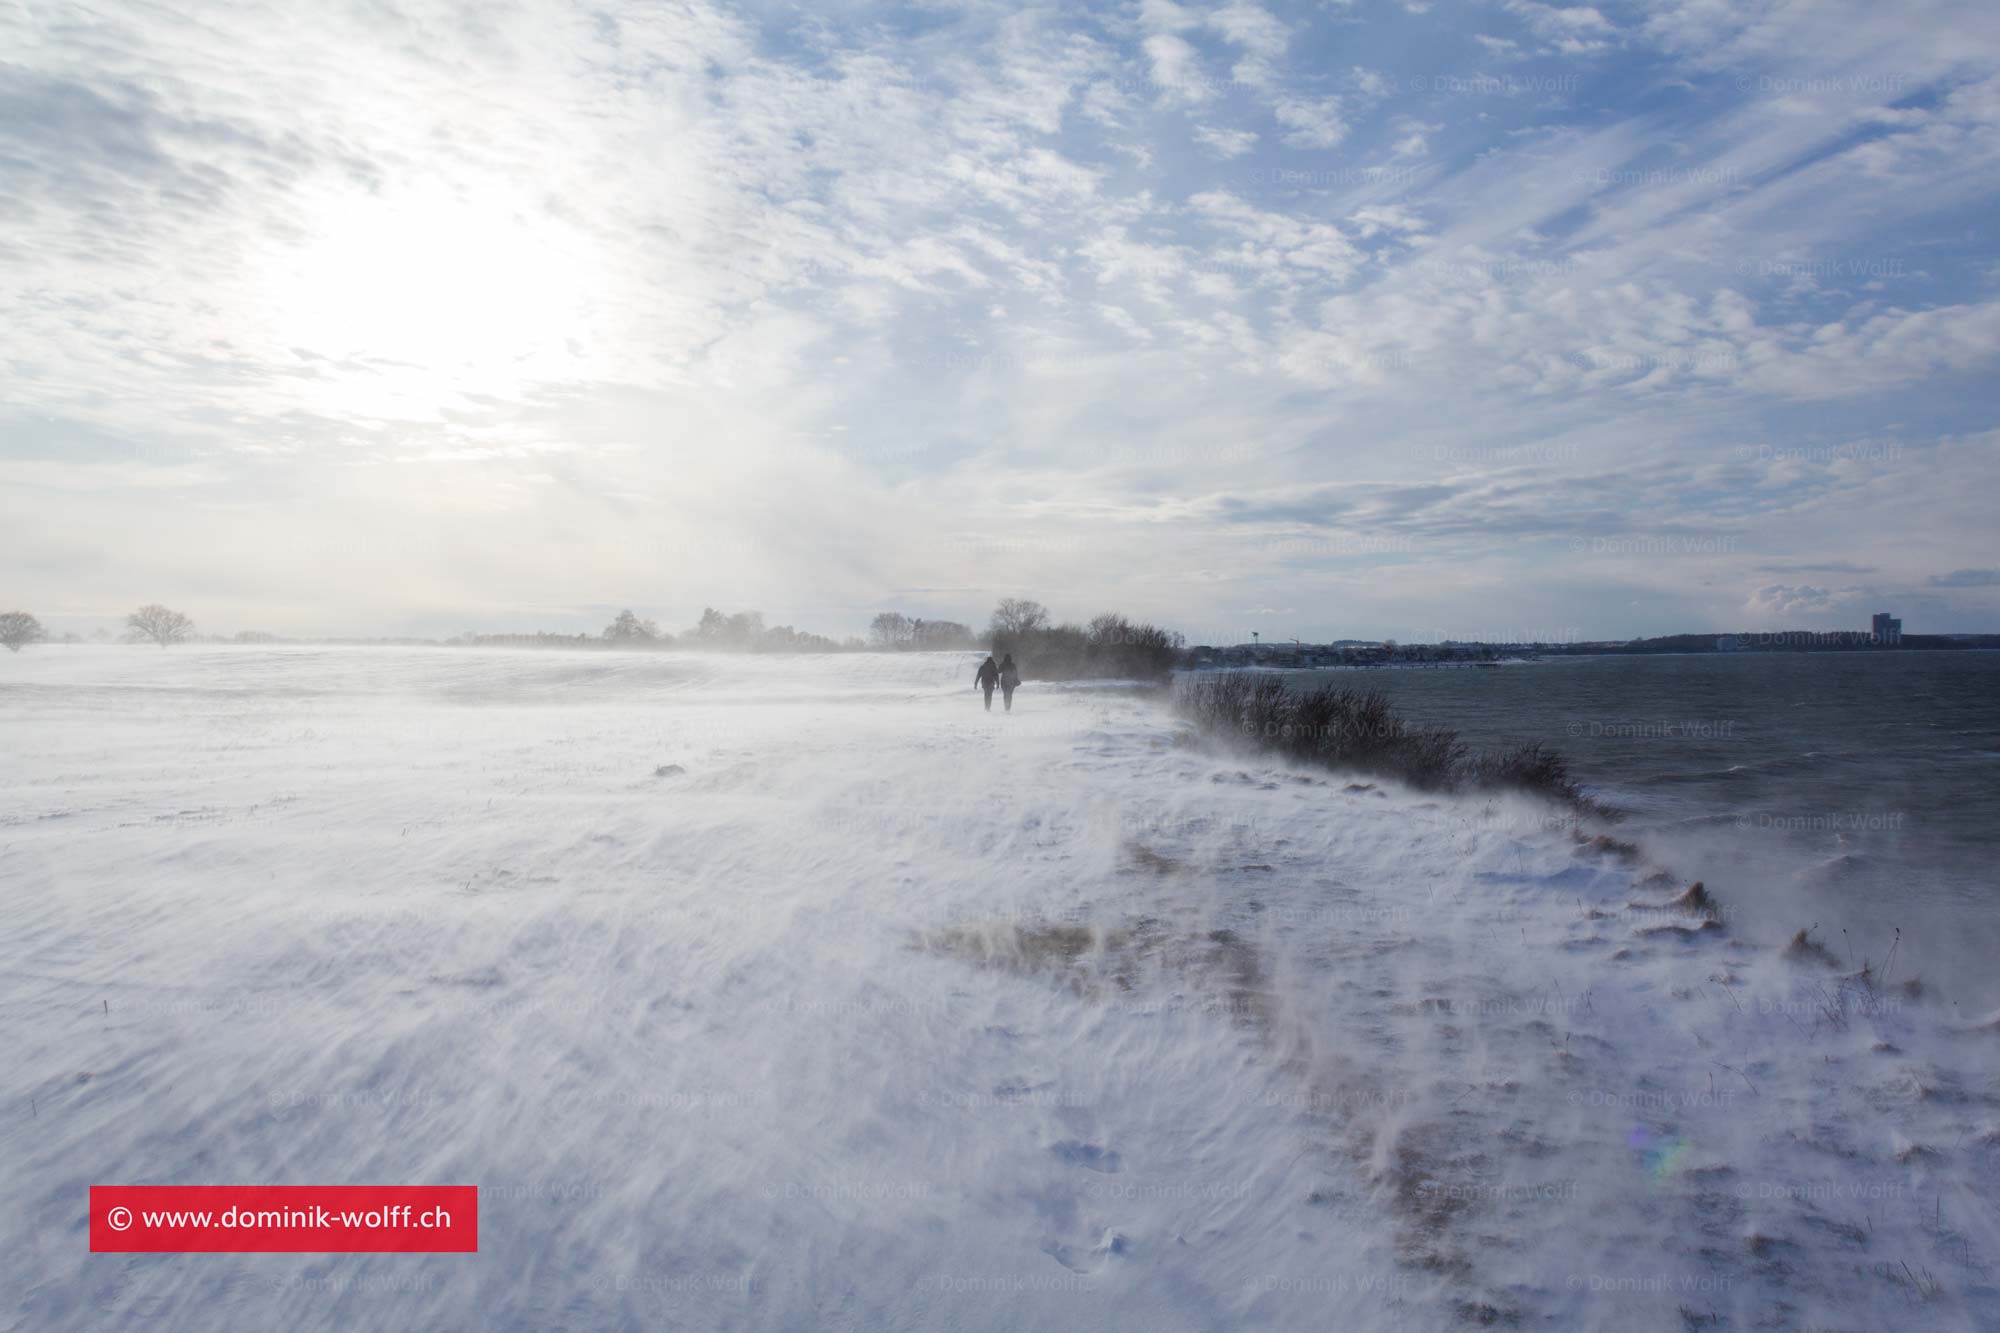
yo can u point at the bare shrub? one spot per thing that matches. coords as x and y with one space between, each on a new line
18 629
157 624
1361 732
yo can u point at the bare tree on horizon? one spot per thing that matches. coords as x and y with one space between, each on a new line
160 624
18 629
629 628
891 630
1018 615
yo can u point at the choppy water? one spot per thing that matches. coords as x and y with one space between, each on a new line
1863 784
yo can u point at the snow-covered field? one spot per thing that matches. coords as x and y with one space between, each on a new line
802 993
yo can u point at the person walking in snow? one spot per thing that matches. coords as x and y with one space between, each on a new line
987 677
1010 676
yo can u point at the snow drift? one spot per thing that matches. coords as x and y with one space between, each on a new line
803 993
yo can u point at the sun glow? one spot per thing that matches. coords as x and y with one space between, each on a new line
405 303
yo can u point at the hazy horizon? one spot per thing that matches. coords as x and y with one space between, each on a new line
592 623
1358 320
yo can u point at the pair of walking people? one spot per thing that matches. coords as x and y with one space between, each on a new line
1002 673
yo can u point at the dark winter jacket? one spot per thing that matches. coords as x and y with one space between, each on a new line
989 675
1010 675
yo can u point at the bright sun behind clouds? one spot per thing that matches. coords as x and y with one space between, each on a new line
443 292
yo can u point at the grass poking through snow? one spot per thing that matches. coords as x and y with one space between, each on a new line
1359 732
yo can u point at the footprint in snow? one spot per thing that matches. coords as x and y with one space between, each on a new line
1087 1155
1019 1088
1110 1244
1064 1255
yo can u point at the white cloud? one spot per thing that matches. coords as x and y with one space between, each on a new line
1225 143
1779 603
1391 218
1413 137
1966 578
1251 27
1176 67
1310 122
1258 34
1569 29
1372 84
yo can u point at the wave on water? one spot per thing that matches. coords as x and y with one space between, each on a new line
1845 868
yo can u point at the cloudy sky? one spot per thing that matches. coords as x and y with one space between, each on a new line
1491 319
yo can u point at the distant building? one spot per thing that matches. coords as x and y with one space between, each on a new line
1728 643
1887 629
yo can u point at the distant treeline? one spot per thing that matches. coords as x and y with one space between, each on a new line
894 632
718 631
1109 647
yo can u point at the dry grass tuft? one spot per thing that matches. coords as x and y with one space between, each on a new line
1605 844
1146 859
1698 901
1805 949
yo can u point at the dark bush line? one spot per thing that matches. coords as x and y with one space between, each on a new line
1110 647
1360 732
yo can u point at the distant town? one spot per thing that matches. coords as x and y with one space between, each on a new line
1885 632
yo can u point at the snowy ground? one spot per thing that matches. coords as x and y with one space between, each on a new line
802 993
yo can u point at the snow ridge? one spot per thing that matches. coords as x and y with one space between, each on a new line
795 993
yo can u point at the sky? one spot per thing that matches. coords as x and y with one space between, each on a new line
1498 319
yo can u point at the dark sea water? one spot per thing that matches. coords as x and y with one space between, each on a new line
1858 790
